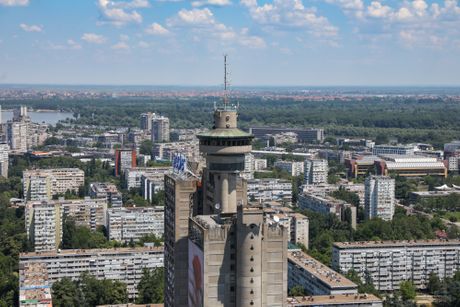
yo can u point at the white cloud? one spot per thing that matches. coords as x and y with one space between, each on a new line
285 14
194 17
348 4
93 38
120 13
14 2
204 26
31 28
211 3
156 29
378 10
120 46
73 44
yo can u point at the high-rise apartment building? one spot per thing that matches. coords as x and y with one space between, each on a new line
315 171
146 121
379 199
160 129
124 159
17 135
388 263
43 219
4 160
43 184
44 225
126 224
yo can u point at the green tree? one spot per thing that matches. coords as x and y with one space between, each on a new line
65 293
434 284
151 287
146 148
407 290
297 291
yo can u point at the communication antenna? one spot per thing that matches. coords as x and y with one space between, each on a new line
225 82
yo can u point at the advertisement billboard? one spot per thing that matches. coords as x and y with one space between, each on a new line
195 275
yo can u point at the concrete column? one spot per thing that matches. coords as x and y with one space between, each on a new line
224 199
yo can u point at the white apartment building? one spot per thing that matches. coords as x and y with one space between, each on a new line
389 263
133 176
379 197
125 224
106 190
292 167
297 223
167 151
393 150
4 160
260 164
248 172
160 129
43 223
269 189
121 264
315 171
16 134
316 278
42 184
151 185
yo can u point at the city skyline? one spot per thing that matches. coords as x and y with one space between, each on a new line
272 43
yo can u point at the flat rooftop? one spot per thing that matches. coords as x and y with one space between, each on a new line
322 272
80 252
332 299
401 243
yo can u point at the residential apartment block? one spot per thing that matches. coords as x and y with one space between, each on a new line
315 171
43 184
292 167
133 176
379 200
126 224
316 278
389 263
269 189
122 264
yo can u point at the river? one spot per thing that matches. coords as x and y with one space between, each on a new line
48 117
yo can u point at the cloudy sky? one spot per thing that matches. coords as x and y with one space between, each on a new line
269 42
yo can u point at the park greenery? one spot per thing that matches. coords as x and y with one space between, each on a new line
409 119
87 291
326 229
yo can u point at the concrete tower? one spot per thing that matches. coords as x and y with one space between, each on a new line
225 147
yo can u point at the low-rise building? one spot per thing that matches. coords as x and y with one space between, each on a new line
393 150
126 224
297 223
121 264
316 278
388 263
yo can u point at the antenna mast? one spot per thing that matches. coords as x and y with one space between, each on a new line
225 82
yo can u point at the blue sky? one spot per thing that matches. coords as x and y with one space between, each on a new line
269 42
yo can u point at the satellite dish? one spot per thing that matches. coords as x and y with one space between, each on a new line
276 218
217 206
